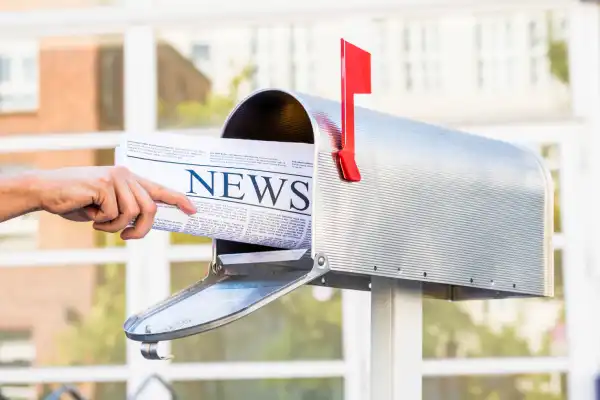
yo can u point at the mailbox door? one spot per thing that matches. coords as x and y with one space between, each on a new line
236 285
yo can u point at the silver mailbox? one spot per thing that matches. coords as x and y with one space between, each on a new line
470 217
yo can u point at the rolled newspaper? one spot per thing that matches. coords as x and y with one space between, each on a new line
248 191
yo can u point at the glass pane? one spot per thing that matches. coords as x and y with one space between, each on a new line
280 389
89 390
513 387
497 328
61 316
58 84
429 82
43 230
303 325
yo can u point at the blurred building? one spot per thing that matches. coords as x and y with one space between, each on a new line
73 85
485 68
454 66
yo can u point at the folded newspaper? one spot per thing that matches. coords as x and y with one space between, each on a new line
248 191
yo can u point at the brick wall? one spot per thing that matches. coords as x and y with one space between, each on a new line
81 90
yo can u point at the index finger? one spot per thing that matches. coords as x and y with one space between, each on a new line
168 196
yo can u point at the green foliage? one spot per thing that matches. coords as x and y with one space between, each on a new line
98 338
558 55
213 111
559 60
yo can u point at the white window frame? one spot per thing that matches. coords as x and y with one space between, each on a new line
18 84
140 71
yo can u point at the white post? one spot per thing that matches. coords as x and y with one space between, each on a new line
355 317
580 174
148 265
396 339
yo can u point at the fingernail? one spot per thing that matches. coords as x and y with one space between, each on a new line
192 209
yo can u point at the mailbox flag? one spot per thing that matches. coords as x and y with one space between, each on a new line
356 79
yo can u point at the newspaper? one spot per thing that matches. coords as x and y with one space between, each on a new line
248 191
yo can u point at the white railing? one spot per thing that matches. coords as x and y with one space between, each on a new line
134 22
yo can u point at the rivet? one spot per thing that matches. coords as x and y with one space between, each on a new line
321 261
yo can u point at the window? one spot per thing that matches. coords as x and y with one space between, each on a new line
537 49
17 350
5 63
200 54
201 58
500 63
422 69
29 66
18 77
311 41
495 53
380 73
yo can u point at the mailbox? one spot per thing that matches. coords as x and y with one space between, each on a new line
469 217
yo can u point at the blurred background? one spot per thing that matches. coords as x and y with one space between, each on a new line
76 74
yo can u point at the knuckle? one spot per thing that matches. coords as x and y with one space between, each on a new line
131 211
157 192
152 208
105 181
120 170
112 214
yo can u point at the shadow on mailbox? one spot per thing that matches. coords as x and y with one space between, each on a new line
469 217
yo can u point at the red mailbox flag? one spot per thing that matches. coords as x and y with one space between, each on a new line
356 79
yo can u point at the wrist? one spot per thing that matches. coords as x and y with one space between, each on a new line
32 189
19 195
25 189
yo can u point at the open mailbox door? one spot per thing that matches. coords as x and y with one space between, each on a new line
236 285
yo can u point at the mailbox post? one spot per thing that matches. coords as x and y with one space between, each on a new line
396 339
399 208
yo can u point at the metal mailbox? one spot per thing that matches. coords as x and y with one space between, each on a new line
469 217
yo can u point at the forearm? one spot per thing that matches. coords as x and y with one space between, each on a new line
19 195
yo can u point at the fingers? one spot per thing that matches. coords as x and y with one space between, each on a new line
168 196
148 208
128 197
127 206
108 206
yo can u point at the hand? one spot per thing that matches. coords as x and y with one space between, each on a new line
111 197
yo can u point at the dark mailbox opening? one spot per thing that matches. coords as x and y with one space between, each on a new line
274 116
270 116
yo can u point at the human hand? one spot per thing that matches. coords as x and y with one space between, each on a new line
111 197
